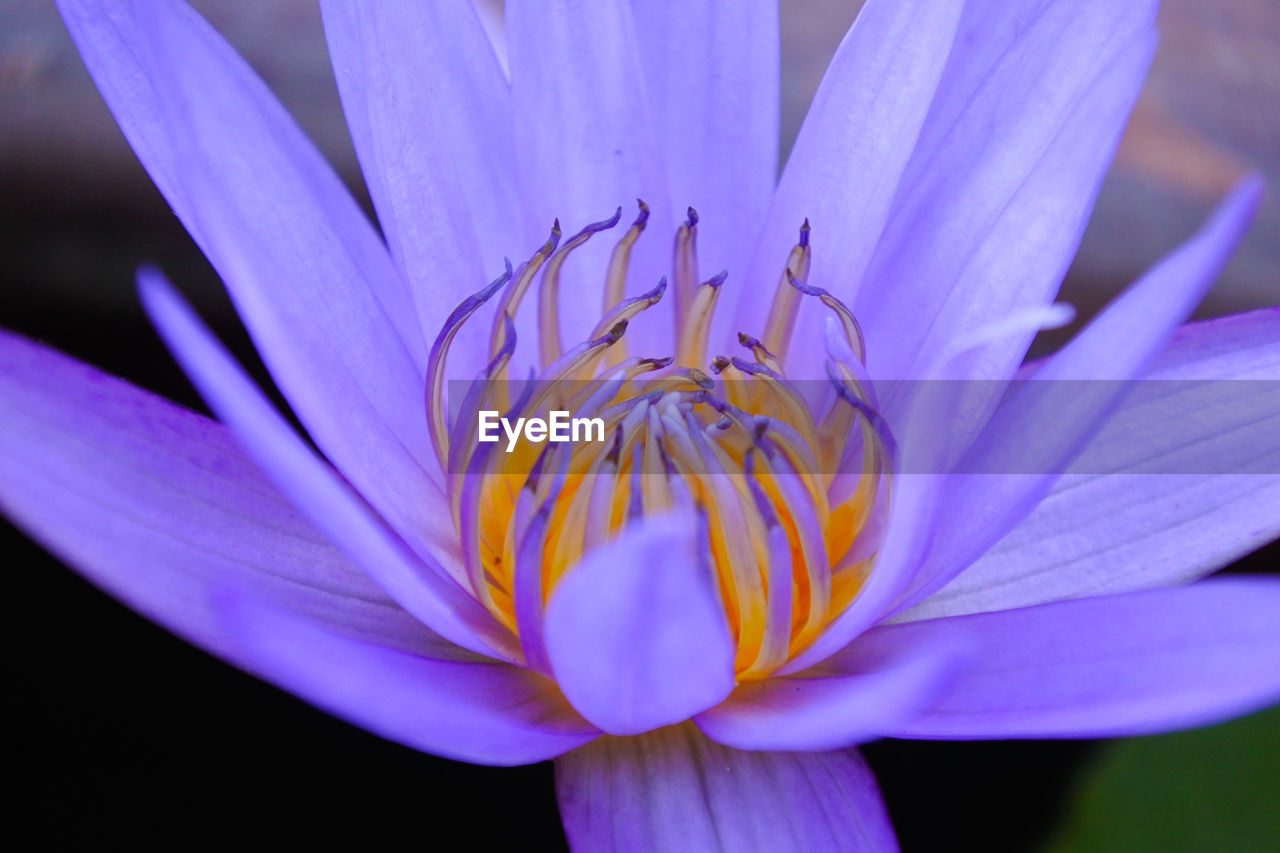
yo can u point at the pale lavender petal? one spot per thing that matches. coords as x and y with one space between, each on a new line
321 297
137 74
161 507
851 697
712 82
1134 663
586 143
1104 530
986 223
635 632
674 790
486 712
423 588
849 156
438 158
1046 422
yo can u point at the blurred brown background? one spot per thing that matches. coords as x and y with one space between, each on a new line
1210 111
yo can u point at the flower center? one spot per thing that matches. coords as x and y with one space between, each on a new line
789 478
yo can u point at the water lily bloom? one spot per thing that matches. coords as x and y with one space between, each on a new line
776 552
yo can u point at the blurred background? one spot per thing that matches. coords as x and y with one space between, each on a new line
126 732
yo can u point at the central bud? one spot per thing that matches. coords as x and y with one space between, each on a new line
789 478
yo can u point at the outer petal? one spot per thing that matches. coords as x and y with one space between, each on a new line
429 111
712 74
846 163
985 223
674 790
851 697
635 632
1127 664
162 508
1046 421
1103 530
423 588
586 142
485 712
309 275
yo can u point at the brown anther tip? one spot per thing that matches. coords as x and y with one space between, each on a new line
701 379
616 332
745 339
719 363
693 217
643 216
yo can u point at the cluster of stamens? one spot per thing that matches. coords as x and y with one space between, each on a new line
790 498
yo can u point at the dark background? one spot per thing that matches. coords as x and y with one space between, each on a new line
119 731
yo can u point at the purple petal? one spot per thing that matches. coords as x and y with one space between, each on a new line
161 507
712 84
1104 530
1127 664
486 712
423 588
635 632
586 142
675 790
309 275
851 697
438 159
846 163
986 223
1043 425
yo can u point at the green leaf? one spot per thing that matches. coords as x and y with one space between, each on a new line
1216 788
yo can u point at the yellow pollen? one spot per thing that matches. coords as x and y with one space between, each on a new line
789 489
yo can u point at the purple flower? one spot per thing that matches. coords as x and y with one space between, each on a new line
767 561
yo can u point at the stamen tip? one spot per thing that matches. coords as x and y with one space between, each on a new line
806 289
701 379
615 334
717 279
606 224
643 216
693 218
804 233
719 363
659 289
